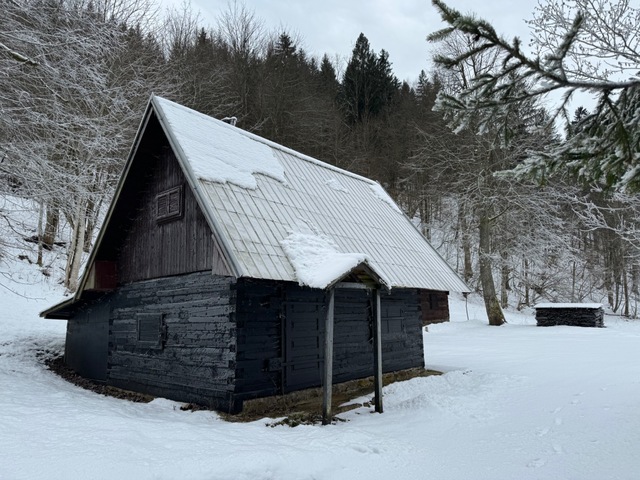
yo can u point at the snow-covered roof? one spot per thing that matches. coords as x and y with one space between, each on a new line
281 215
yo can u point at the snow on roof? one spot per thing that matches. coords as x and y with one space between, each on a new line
568 305
258 194
381 194
216 151
336 185
316 259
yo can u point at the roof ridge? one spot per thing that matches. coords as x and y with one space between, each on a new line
272 144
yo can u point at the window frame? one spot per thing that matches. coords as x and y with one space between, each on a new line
165 195
150 325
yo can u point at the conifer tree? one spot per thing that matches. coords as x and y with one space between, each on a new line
580 45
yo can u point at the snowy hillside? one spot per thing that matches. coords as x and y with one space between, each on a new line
516 402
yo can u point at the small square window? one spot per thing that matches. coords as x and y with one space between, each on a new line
169 204
150 330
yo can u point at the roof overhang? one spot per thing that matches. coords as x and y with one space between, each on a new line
60 311
366 276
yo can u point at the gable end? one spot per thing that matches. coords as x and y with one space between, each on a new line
157 228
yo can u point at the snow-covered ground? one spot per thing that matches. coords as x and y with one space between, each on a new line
517 402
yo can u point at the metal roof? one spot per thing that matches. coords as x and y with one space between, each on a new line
253 220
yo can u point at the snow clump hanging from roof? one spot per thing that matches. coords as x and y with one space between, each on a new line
316 259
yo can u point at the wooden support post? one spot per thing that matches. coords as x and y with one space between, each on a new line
328 361
377 350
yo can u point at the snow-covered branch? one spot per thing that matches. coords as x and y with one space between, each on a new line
18 56
606 149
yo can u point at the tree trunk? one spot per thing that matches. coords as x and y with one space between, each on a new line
40 234
425 218
74 258
51 225
573 282
466 244
625 286
634 288
527 300
504 282
491 304
93 212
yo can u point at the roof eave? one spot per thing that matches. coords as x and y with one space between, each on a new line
380 282
52 312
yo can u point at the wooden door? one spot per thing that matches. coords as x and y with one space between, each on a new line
303 340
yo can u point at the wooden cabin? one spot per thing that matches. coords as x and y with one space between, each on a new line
230 268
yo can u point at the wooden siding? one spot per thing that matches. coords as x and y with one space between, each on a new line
143 247
435 306
86 345
196 361
153 249
281 332
258 323
304 316
402 345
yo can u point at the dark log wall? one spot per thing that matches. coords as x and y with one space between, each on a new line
573 317
402 345
435 306
258 323
196 359
86 346
220 343
268 312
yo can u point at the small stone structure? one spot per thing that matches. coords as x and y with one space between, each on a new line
571 314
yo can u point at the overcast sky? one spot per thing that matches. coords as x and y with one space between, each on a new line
398 26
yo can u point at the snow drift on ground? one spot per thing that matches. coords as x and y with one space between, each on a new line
516 402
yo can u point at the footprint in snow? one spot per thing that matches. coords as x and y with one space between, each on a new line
537 463
542 431
366 449
576 401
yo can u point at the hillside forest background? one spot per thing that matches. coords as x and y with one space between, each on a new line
76 75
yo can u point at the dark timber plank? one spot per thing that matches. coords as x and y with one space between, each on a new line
328 361
377 350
